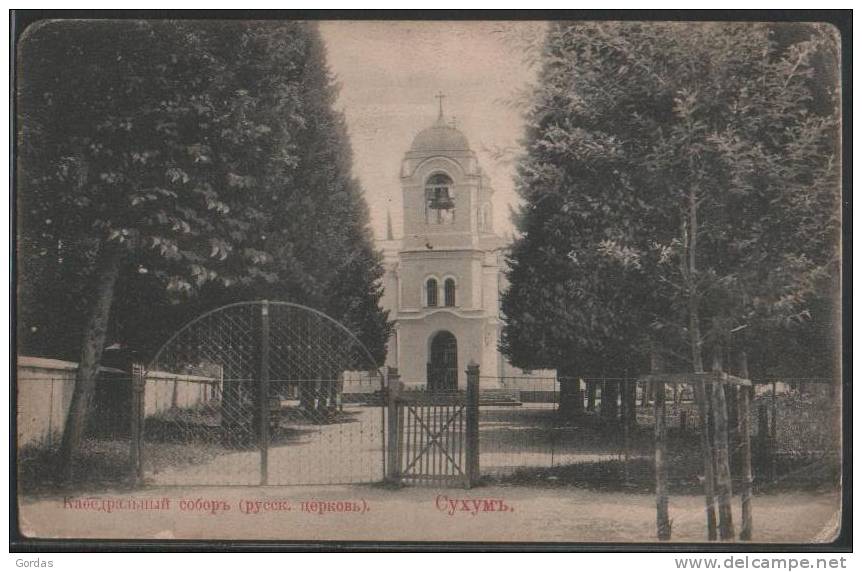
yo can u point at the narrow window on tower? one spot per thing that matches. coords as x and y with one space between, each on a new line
431 292
439 201
449 292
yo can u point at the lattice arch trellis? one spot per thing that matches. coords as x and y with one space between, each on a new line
263 391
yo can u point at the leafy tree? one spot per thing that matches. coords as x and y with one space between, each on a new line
318 235
167 168
153 147
681 184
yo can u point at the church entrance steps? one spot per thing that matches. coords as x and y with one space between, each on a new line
498 398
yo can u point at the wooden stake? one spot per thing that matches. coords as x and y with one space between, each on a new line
701 396
263 394
773 435
722 459
137 423
744 415
662 518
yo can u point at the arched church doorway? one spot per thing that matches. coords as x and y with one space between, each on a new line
443 362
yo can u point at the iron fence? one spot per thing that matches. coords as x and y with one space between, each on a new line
201 424
605 432
255 394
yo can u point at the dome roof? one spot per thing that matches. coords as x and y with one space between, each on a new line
439 137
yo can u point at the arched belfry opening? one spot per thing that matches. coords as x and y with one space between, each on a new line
439 199
443 362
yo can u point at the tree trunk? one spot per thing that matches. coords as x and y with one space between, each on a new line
571 399
578 397
689 271
91 354
610 398
627 403
633 404
701 396
306 395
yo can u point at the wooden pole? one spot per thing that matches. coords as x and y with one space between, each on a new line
744 417
393 437
702 396
732 396
763 433
662 518
628 388
472 433
263 393
773 435
603 396
137 422
722 459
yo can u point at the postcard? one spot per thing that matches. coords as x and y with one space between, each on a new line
448 281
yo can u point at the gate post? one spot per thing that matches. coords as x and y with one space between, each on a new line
472 437
263 393
137 422
393 439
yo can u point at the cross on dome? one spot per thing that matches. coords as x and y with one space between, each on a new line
440 97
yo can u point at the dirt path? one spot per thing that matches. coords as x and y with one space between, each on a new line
348 452
352 452
417 514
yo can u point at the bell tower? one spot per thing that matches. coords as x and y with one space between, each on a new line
444 280
446 199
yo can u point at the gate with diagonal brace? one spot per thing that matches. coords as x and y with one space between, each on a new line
433 436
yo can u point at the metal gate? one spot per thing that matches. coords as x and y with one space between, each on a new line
261 393
434 435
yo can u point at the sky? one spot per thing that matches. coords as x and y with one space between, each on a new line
389 74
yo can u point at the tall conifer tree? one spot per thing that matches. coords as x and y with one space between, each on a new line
681 183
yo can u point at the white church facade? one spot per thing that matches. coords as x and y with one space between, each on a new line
444 276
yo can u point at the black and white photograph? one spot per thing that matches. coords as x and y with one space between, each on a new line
534 280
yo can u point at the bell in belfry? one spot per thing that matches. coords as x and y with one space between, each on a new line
441 200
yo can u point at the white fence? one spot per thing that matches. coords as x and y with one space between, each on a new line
45 392
166 391
359 385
